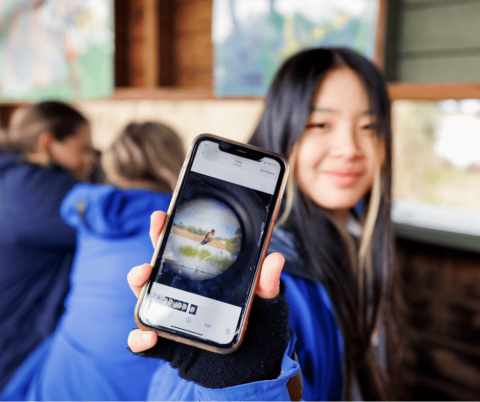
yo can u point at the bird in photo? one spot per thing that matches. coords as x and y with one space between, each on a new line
208 237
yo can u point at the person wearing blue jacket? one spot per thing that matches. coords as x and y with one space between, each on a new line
86 357
46 151
328 113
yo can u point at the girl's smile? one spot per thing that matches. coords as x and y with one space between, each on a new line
346 177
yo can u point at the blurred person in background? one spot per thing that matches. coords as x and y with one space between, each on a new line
46 150
328 113
86 357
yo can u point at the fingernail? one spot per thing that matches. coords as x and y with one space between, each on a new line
146 337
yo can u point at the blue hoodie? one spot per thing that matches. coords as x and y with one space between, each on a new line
36 254
87 357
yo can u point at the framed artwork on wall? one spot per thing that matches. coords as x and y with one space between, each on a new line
251 38
56 49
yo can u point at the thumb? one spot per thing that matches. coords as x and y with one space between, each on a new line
269 283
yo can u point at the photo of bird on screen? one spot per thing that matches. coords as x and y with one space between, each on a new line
208 237
196 251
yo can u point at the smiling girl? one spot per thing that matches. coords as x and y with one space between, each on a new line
328 112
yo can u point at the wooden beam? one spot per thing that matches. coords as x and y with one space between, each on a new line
434 91
137 93
121 24
133 32
379 58
193 49
150 59
166 39
425 92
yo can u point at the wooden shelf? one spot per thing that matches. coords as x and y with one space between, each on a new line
434 91
138 93
397 91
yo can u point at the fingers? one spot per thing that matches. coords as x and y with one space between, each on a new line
138 276
269 284
157 220
139 341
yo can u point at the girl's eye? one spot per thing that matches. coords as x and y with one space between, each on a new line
323 126
371 126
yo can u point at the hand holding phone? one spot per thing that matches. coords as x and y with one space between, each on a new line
268 286
274 318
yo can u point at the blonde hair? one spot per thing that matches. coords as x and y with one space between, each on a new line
147 155
360 257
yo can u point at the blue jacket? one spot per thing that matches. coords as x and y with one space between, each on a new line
87 356
36 254
318 343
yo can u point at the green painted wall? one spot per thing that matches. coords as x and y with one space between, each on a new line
433 41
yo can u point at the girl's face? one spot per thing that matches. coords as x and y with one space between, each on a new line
339 153
75 154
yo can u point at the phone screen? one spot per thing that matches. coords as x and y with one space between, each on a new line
205 268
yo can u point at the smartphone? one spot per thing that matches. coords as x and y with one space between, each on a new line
206 264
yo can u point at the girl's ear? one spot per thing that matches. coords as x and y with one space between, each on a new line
44 146
44 141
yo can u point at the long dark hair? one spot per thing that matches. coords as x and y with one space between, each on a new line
358 298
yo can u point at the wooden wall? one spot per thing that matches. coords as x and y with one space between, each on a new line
193 43
442 323
163 43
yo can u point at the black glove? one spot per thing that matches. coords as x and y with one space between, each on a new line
258 358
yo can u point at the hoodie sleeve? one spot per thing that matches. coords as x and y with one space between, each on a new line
271 390
167 385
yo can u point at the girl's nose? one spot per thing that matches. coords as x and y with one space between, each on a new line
344 144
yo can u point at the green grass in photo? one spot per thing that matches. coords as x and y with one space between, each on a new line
188 251
219 260
204 254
